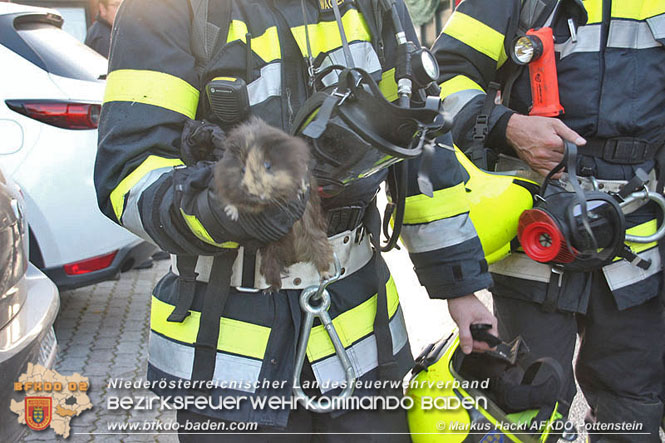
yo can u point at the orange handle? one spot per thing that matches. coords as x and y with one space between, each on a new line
544 80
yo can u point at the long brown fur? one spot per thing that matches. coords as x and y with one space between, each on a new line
265 166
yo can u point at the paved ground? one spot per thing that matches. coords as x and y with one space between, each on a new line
102 333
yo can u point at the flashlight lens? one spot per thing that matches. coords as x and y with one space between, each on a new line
429 64
524 50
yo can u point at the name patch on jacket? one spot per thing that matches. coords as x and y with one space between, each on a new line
327 5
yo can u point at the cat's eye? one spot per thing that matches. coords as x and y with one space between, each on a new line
267 165
242 169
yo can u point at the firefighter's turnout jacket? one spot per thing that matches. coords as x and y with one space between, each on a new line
153 88
610 62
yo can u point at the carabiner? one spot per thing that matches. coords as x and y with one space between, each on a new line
644 196
315 301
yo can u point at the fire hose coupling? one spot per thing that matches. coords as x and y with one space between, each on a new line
315 301
585 230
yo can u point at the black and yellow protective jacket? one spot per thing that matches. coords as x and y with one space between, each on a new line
154 87
612 84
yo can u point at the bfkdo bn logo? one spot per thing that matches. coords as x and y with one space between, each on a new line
51 400
38 412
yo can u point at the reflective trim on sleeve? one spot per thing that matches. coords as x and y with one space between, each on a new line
202 234
363 355
269 84
388 85
445 203
588 40
151 163
630 35
325 37
438 234
457 92
458 83
363 55
265 45
657 25
477 35
519 265
594 9
131 217
621 273
351 325
235 336
454 103
152 88
231 371
637 10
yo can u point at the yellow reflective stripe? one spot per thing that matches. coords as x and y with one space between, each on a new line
235 336
202 234
445 203
324 36
637 10
152 88
646 228
351 325
457 84
594 9
478 35
265 45
388 85
151 163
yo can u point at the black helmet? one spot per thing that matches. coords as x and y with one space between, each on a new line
354 131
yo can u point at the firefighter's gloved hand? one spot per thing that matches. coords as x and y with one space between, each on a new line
274 222
201 141
264 227
194 195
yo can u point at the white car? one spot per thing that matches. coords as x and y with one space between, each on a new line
51 89
29 303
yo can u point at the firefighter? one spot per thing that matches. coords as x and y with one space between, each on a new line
155 89
99 34
609 60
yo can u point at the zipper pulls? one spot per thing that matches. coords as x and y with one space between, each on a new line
573 30
289 107
249 65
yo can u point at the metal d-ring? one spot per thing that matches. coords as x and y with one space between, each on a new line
645 195
315 301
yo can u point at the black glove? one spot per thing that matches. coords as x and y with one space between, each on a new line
201 141
196 186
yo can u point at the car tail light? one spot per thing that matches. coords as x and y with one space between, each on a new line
90 264
63 114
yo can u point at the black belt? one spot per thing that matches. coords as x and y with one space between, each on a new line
623 150
345 218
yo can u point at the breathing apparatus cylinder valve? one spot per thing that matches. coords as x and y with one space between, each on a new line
536 49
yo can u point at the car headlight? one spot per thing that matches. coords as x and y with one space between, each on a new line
526 49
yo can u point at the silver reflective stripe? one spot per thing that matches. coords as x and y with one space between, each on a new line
438 234
131 218
455 102
364 57
363 356
657 25
520 266
588 40
239 373
269 84
621 273
630 35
